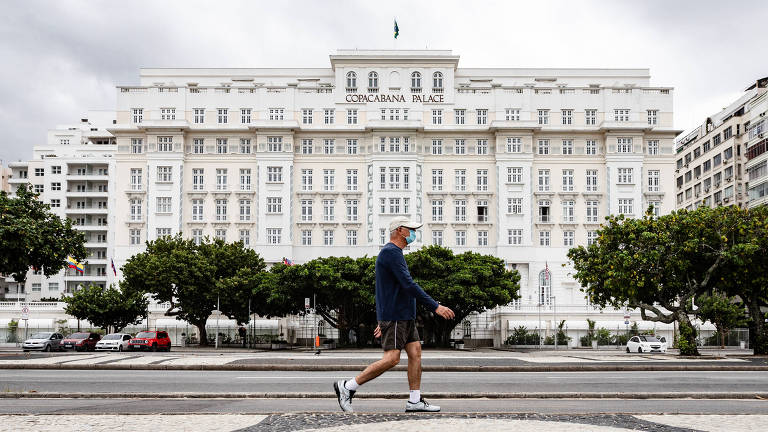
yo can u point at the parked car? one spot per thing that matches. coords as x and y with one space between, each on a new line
114 342
81 341
151 340
44 341
645 343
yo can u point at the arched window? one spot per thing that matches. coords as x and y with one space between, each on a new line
416 82
351 80
373 81
321 328
437 81
467 326
545 287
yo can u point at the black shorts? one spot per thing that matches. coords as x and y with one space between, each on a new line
396 334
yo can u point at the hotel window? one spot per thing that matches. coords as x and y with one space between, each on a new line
460 116
653 147
460 207
625 175
394 144
373 82
482 146
590 116
567 147
461 238
514 206
274 235
592 214
352 116
568 180
352 210
275 144
222 115
625 206
56 169
306 237
382 205
329 146
514 174
621 115
437 210
274 174
652 117
394 178
351 82
329 207
543 147
543 116
437 116
461 180
591 147
437 147
64 141
460 147
55 203
220 234
136 183
306 210
306 116
245 237
164 174
437 82
165 144
197 210
135 206
352 180
162 232
276 113
512 114
544 211
656 205
482 211
245 145
482 180
274 205
437 238
515 237
329 176
653 180
544 238
245 179
221 145
197 179
591 180
416 82
135 236
382 178
482 238
437 179
221 210
543 180
245 115
56 186
197 236
624 145
306 146
591 238
568 215
482 116
351 237
53 286
199 115
137 145
39 172
568 237
198 146
514 145
567 116
352 146
163 205
329 115
221 179
138 115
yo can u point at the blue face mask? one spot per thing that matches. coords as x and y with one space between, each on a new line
411 237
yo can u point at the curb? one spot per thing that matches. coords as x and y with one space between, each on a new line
425 368
374 395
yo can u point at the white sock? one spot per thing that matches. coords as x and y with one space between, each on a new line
351 385
415 396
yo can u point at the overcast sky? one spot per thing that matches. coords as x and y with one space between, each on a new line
62 58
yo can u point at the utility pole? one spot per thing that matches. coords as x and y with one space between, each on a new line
554 318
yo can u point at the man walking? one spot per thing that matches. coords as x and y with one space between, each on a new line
396 297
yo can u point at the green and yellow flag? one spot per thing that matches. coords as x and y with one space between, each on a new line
397 30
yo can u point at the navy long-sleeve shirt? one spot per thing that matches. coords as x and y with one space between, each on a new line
396 292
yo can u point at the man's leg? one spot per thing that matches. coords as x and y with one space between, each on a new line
346 389
413 350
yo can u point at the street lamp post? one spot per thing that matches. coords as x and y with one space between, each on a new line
554 318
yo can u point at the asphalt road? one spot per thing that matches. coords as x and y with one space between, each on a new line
139 381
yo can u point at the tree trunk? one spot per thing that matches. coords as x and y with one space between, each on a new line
202 333
757 339
722 338
690 337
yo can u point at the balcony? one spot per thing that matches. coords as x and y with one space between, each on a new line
93 193
93 176
86 210
91 227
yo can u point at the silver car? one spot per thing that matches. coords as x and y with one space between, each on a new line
114 342
43 341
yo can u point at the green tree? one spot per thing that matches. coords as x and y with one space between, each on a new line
193 278
106 308
466 283
725 313
32 236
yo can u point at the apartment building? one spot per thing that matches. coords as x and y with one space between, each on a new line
756 143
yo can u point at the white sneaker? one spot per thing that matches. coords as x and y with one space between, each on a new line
343 395
421 406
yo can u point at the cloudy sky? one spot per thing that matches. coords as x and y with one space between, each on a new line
62 58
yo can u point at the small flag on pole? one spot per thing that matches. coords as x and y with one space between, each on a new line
546 271
397 30
73 263
114 270
287 262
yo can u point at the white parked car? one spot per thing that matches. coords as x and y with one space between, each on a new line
646 343
43 341
114 342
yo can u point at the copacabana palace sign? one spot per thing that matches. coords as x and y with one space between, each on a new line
375 97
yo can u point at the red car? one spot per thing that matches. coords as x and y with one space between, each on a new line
151 340
81 341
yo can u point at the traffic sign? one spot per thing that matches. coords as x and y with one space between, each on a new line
25 312
626 322
306 303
